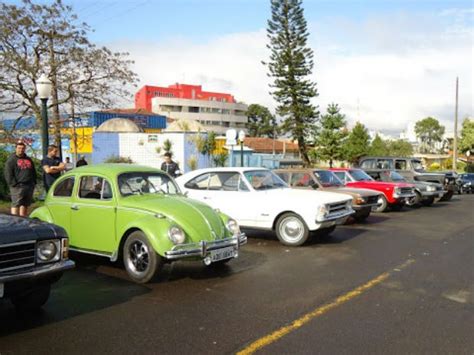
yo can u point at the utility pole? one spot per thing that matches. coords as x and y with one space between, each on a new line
455 141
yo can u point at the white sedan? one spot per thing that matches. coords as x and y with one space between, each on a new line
258 198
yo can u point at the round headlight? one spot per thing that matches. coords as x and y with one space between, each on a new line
431 188
176 235
233 226
47 250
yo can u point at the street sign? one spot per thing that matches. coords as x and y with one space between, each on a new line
231 137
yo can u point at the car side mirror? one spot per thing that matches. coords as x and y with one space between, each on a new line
314 185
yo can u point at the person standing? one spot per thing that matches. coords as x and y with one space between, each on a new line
20 175
68 165
170 166
52 167
81 162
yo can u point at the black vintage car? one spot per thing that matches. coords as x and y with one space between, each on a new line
466 183
33 255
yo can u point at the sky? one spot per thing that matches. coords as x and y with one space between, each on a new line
386 63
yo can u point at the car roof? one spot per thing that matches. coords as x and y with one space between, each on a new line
111 169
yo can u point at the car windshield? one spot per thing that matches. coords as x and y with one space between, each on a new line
264 180
396 176
328 178
146 183
417 165
360 175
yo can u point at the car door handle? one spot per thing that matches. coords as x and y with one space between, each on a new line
206 198
75 207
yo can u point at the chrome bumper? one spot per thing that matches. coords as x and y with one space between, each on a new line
335 216
432 194
40 271
204 247
367 205
403 196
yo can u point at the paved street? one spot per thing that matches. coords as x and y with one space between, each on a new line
401 283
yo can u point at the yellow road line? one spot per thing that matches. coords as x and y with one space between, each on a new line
298 323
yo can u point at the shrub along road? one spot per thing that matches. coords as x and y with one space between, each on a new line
400 283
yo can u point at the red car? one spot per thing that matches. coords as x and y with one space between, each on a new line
395 194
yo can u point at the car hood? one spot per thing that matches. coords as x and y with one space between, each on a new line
288 194
353 191
197 219
14 229
382 184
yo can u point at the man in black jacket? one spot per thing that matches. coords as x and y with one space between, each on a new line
20 175
52 167
170 166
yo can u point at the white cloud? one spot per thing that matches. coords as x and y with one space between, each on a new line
385 72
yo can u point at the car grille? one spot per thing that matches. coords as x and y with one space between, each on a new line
372 199
336 208
17 256
406 190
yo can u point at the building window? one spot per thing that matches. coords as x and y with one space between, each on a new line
194 109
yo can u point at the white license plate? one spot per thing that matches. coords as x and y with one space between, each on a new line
1 290
224 253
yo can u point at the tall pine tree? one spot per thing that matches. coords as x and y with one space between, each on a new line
261 122
331 135
290 65
357 144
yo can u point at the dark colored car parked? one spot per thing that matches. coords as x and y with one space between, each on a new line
413 170
33 255
426 193
466 182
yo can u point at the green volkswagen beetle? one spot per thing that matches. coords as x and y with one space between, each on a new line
138 213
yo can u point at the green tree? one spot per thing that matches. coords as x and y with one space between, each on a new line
357 143
466 142
290 65
400 148
261 122
378 146
429 131
49 39
331 135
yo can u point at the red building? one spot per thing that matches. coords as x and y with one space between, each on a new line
179 91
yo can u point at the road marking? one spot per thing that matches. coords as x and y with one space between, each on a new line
298 323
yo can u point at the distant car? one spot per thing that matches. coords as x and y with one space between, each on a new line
412 169
394 195
258 198
426 193
363 200
466 183
138 214
33 256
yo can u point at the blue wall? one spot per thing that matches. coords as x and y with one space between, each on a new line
105 144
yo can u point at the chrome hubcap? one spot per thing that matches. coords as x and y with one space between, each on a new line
138 260
291 229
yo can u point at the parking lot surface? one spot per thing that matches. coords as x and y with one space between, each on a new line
403 282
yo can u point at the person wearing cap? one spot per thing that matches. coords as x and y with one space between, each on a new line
20 175
170 166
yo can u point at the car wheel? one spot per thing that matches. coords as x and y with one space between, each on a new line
382 204
447 196
362 216
428 202
32 299
414 201
291 230
140 259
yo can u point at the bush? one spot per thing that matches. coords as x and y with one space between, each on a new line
469 168
118 159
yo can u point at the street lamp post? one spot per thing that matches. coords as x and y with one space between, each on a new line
43 87
241 138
